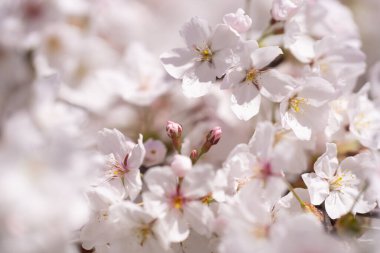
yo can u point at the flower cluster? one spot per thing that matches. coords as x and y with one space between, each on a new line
259 134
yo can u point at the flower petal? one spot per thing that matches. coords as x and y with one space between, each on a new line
199 216
196 32
327 164
262 140
246 102
274 85
317 187
224 37
178 61
193 88
161 180
262 57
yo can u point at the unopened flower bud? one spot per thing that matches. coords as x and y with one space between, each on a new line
238 21
212 138
181 165
173 129
214 135
194 155
284 9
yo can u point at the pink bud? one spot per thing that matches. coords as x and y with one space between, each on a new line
214 135
173 129
212 138
284 9
181 165
238 21
194 155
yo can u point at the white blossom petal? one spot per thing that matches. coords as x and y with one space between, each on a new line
317 187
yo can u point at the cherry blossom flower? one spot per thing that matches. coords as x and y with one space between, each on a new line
208 53
307 236
338 185
249 80
180 202
249 222
141 231
100 229
124 160
260 161
364 120
338 63
306 109
155 152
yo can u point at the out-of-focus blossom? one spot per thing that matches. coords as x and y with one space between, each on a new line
285 9
155 152
238 21
364 120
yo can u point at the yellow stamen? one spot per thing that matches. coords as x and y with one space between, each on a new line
336 183
261 231
207 200
362 121
144 232
251 75
206 54
324 68
102 215
178 202
296 102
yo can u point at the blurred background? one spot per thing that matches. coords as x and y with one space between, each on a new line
69 68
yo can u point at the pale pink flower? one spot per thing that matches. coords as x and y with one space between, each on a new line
238 21
124 160
207 56
338 185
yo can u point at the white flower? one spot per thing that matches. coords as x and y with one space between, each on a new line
364 120
180 202
337 185
316 20
289 206
139 79
208 53
155 152
124 160
338 63
304 233
238 21
141 231
248 221
100 230
306 109
258 161
250 80
298 41
285 9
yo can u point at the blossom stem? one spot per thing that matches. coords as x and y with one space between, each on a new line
359 196
290 187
